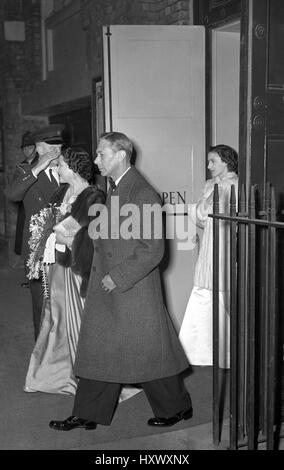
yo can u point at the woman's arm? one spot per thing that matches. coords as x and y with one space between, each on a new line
62 239
66 230
204 205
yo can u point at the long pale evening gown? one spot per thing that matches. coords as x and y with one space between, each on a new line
197 326
51 364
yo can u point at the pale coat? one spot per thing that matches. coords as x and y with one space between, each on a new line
127 335
203 276
196 333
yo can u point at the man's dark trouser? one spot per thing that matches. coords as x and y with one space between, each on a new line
37 301
96 400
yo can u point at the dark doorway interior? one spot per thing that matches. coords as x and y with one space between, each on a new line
79 132
79 127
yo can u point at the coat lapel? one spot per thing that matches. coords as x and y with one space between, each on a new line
45 187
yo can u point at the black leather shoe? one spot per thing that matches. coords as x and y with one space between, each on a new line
171 421
71 423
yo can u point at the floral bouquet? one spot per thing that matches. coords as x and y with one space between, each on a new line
41 227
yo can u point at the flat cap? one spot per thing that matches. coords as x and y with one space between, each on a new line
51 134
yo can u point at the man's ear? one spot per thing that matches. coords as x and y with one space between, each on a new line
121 155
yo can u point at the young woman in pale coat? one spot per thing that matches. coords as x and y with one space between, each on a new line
196 329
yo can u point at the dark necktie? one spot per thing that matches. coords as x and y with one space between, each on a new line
112 184
52 178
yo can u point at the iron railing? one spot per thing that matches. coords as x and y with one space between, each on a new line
256 319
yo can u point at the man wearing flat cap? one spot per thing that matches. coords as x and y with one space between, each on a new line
34 185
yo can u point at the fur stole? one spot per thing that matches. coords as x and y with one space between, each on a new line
81 256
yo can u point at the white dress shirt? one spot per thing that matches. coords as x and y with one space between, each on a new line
121 176
54 173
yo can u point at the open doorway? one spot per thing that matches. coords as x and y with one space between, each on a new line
225 84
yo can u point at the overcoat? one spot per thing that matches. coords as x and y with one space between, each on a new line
127 335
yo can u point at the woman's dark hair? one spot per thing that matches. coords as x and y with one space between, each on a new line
79 161
228 155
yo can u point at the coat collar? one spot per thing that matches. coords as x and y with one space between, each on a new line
125 184
231 175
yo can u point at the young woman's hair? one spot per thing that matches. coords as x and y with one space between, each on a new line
228 155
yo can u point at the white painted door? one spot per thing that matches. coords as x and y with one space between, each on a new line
154 86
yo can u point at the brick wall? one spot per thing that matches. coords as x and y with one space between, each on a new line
58 4
168 11
20 61
20 64
102 12
20 70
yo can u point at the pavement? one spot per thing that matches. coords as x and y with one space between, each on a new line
23 425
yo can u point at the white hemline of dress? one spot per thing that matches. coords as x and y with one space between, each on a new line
51 364
197 328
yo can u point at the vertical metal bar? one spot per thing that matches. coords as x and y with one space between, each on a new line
251 328
242 304
108 34
271 330
216 404
233 326
264 312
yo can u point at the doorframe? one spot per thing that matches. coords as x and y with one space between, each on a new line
232 37
212 18
2 158
2 171
245 98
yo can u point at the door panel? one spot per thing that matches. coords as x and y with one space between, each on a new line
154 92
262 131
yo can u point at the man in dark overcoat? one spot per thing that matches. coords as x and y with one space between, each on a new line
127 336
34 185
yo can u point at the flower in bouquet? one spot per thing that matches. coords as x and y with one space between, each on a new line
41 226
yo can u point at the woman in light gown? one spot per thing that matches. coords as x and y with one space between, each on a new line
197 326
51 363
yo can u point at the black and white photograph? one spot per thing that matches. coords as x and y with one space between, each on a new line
141 229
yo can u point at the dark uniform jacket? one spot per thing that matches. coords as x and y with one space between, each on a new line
35 194
21 217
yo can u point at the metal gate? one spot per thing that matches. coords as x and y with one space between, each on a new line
256 318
